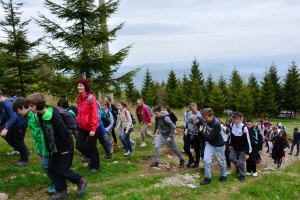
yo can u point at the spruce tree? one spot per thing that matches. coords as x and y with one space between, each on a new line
291 89
222 84
132 94
208 86
244 102
170 92
82 38
149 90
17 67
196 85
185 84
217 100
236 83
254 89
275 80
180 96
268 104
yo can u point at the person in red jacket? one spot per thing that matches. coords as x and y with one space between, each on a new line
144 117
87 119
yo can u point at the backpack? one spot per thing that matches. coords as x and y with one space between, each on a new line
100 113
74 109
68 119
173 117
132 117
165 121
148 107
105 118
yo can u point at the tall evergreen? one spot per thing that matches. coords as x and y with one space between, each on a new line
82 38
196 85
217 100
170 92
132 94
244 101
180 96
149 90
235 85
17 67
268 103
185 83
275 80
208 86
222 84
291 89
254 89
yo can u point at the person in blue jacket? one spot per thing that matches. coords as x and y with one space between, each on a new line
14 130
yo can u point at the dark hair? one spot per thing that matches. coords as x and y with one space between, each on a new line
284 136
237 115
63 103
260 121
108 103
157 109
1 93
86 83
123 103
168 109
207 111
37 99
249 120
296 129
20 103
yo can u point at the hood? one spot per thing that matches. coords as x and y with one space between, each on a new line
48 114
164 113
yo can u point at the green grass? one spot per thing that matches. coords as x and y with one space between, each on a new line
129 178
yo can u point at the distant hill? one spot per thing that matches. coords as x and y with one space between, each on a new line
217 67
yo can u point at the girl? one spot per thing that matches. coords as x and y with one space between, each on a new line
125 122
112 108
280 146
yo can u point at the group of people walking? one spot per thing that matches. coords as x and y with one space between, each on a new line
235 141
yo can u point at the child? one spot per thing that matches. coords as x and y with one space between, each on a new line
296 140
280 146
20 106
108 122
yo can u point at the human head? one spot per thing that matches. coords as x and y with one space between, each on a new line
107 99
260 121
103 105
193 107
237 117
296 129
168 109
157 111
37 102
275 130
20 106
63 103
208 115
139 102
2 97
249 123
283 135
83 86
121 105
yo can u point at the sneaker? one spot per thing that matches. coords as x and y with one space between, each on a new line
290 153
243 179
297 154
255 174
121 147
181 163
127 153
51 189
248 174
59 195
131 153
114 143
195 165
81 185
108 156
189 164
223 179
93 171
237 171
22 164
13 152
133 144
205 181
28 153
154 164
85 159
143 144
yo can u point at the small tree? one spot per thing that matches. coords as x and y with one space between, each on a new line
244 102
196 85
268 102
170 92
236 83
217 100
254 89
132 94
208 86
149 90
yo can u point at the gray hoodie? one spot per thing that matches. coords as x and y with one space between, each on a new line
166 127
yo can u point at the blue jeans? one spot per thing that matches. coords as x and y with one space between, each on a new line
45 163
219 153
126 140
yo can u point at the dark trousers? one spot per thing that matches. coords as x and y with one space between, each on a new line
293 144
15 138
104 143
251 162
87 145
59 170
227 152
126 140
195 142
113 133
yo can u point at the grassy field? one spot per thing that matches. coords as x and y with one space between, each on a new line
131 178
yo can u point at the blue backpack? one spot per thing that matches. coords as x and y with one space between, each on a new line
148 107
100 113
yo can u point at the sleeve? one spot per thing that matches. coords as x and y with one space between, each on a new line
111 119
171 125
12 115
129 119
95 118
62 130
147 115
136 114
155 125
249 147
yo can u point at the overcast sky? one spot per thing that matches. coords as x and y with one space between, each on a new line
163 31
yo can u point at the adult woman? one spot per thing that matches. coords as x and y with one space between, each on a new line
88 123
125 123
112 108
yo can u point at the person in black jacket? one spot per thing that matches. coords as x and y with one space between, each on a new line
296 141
215 145
59 143
113 109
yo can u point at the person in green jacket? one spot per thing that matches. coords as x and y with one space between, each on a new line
21 107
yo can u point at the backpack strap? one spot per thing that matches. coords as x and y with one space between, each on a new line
90 99
164 120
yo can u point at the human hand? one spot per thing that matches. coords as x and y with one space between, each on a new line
185 132
169 139
246 156
92 133
201 128
4 132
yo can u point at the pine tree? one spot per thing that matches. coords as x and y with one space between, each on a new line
208 86
291 89
196 85
236 83
217 100
185 84
275 80
224 88
82 51
254 89
244 101
268 102
180 97
17 66
132 94
149 90
170 92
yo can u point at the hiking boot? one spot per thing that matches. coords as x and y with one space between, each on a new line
189 164
205 181
195 165
143 144
223 179
93 171
243 179
58 195
154 164
81 186
108 156
22 164
13 152
181 163
51 189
